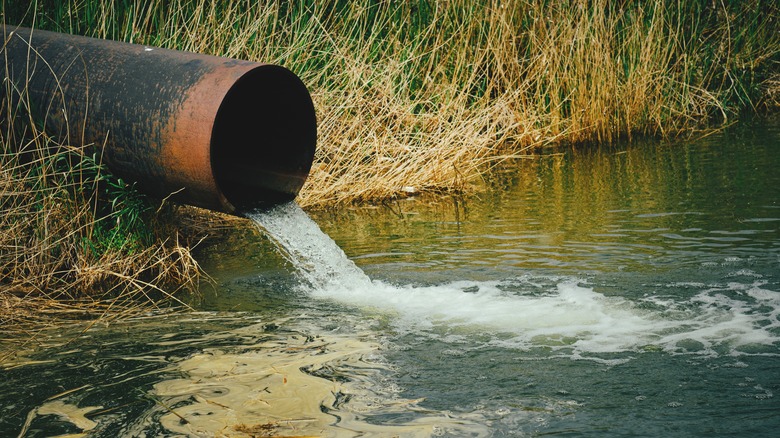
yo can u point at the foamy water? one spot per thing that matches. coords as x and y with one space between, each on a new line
525 312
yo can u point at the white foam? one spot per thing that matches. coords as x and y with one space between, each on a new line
571 315
521 313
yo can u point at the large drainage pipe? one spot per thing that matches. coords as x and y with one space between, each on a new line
215 132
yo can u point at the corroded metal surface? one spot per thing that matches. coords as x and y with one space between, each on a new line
219 133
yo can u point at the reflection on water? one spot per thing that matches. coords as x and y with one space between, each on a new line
639 207
630 290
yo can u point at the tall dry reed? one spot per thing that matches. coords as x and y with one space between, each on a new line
424 95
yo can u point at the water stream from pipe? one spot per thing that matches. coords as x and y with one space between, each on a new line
523 312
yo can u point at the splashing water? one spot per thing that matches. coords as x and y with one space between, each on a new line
522 312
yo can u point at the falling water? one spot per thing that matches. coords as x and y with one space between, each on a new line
316 257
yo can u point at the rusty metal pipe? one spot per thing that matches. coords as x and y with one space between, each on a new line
215 132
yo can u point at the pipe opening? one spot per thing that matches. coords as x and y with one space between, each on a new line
264 137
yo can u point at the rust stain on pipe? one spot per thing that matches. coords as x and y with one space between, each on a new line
220 133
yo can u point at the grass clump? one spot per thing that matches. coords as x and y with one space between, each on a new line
76 242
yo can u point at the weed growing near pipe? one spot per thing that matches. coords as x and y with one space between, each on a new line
73 247
75 241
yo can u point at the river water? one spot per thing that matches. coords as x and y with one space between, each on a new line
609 291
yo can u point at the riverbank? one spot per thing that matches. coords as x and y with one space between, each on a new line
417 97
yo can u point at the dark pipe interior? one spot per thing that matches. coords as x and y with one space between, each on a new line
264 138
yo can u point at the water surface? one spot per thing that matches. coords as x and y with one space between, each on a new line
612 291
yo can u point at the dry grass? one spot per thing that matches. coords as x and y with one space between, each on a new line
75 242
772 92
431 107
